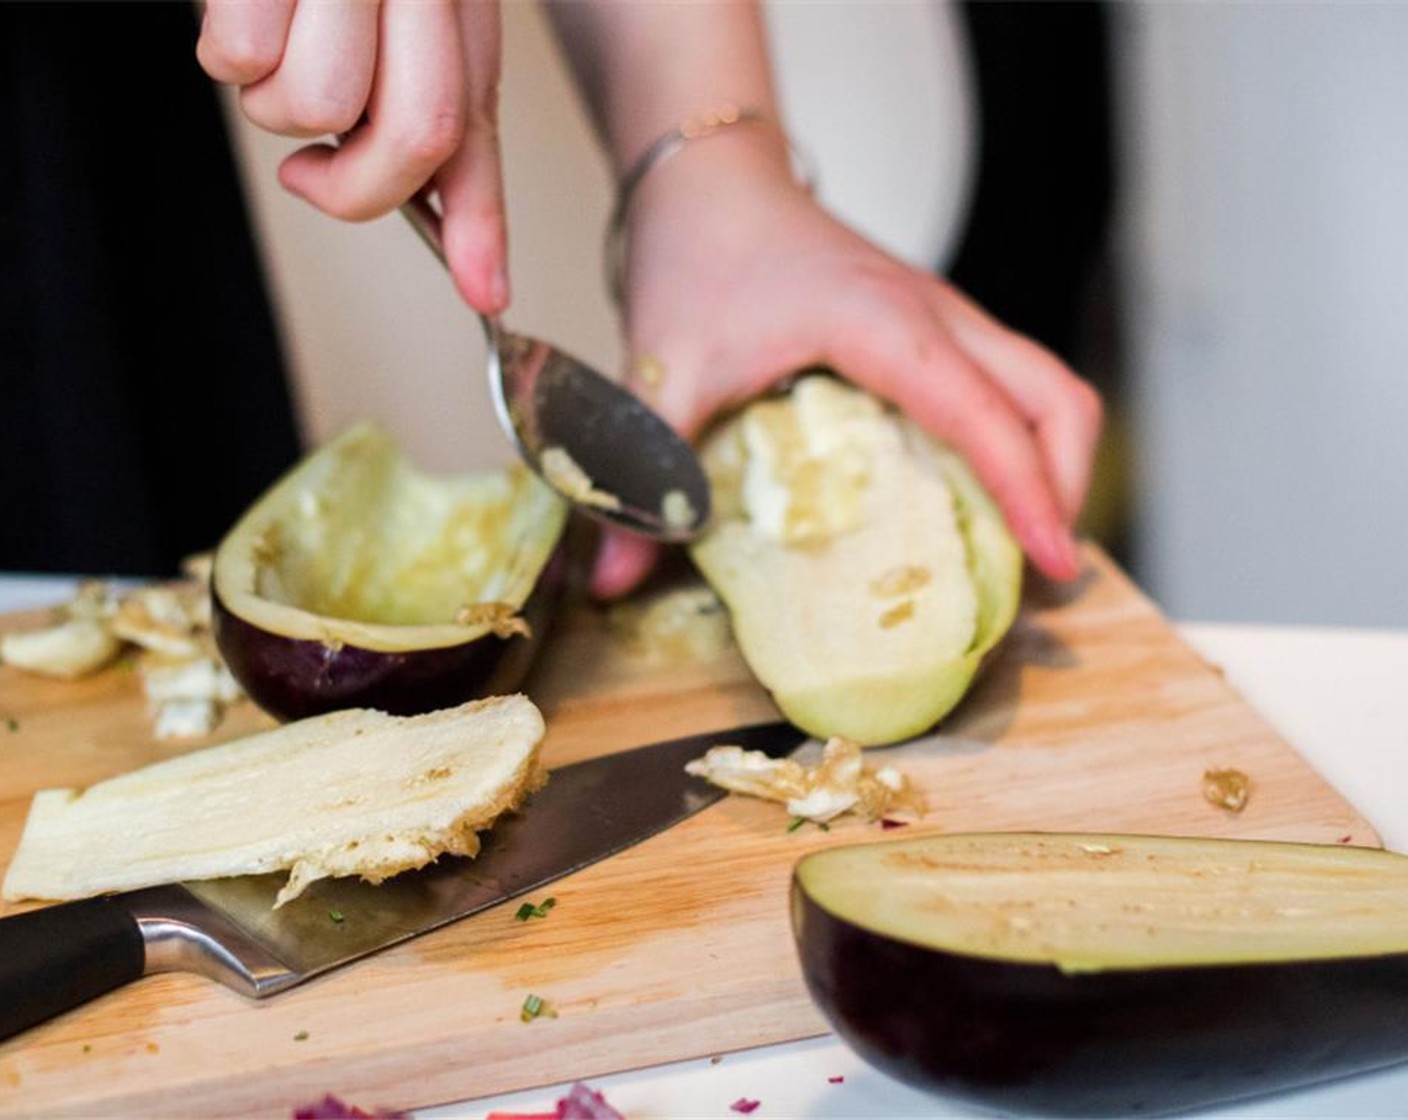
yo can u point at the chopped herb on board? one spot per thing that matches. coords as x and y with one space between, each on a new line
11 723
535 1007
528 910
301 1036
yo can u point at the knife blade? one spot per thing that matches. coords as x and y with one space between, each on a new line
60 956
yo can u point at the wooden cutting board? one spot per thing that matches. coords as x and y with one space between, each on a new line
1094 716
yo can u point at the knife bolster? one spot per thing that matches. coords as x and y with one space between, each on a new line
183 934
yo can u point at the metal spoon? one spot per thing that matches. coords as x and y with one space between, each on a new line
596 444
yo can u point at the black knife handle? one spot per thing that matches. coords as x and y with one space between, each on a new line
56 958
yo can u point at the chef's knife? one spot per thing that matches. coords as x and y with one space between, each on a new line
56 958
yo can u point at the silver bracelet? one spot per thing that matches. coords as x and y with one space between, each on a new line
661 149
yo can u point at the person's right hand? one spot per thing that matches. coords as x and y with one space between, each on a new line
414 83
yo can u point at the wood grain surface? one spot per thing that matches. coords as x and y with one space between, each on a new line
1093 716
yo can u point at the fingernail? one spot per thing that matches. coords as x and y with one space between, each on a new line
498 289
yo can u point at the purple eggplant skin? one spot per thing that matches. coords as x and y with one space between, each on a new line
293 678
1029 1039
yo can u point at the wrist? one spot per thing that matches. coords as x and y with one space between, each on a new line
721 152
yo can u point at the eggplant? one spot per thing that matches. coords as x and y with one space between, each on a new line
866 573
358 581
1107 975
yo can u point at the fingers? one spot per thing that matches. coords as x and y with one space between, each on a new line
323 79
470 183
911 360
1024 423
623 560
1064 411
242 41
416 116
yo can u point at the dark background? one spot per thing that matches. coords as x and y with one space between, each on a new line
1036 251
142 392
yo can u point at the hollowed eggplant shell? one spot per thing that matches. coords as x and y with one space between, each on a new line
297 653
293 678
1033 1039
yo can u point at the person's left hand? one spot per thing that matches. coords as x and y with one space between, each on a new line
736 279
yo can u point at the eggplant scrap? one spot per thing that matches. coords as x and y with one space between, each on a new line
168 625
349 793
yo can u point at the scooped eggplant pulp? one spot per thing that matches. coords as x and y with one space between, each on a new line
1102 975
359 581
866 572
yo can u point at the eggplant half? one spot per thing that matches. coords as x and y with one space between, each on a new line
865 571
1104 975
359 581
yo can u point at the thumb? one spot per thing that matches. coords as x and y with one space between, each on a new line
623 560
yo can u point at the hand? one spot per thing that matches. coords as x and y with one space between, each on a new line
415 83
736 278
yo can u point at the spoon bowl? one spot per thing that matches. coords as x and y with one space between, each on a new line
591 440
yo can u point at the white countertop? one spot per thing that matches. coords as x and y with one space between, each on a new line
1333 694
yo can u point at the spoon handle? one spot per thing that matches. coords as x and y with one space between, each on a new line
425 220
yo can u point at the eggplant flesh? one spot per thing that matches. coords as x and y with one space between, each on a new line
866 573
1105 975
359 581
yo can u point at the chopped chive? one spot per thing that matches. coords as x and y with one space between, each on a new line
12 723
337 916
796 823
529 910
301 1036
